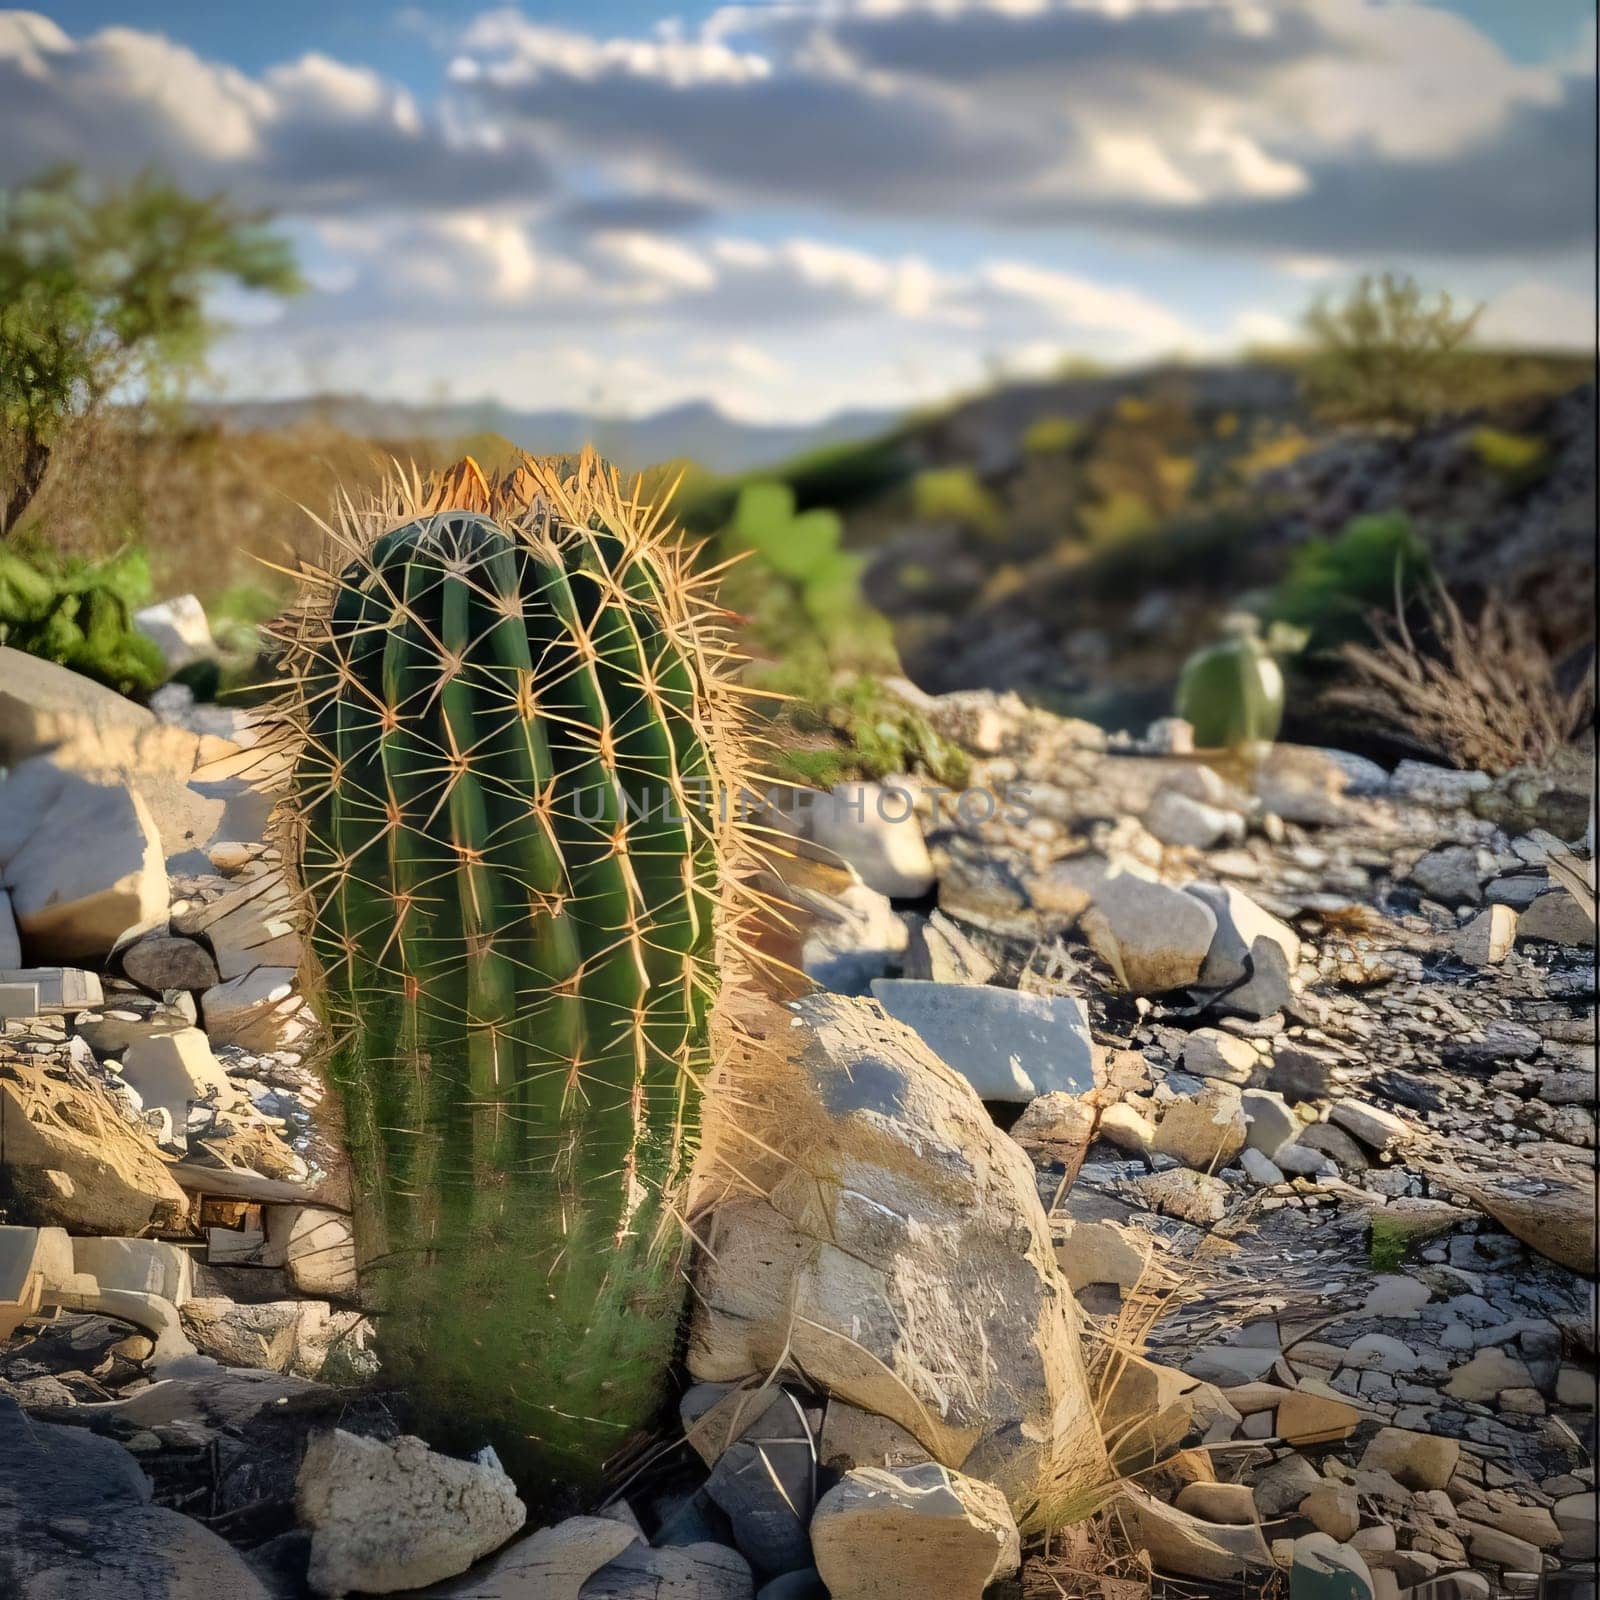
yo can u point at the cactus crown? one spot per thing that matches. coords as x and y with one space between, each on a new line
515 743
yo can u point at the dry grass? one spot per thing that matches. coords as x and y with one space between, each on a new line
1486 699
210 505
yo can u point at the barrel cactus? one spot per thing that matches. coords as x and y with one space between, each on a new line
513 750
1232 691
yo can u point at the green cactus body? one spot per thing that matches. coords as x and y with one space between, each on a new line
1232 693
510 737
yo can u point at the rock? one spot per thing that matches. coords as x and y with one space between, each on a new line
1443 788
105 738
852 1437
1451 874
249 927
1372 1125
1332 1509
1210 1053
139 1266
178 629
76 1520
1491 1547
33 1261
1547 1205
1299 1074
1555 917
1181 1543
1177 819
1056 1129
170 1070
315 1246
1269 1123
1153 937
1418 1460
296 1336
1249 962
1281 1487
1485 1375
1100 1252
1307 786
10 939
67 1159
1195 1197
1008 1045
939 952
764 1479
1324 1569
553 1564
875 828
81 860
1304 1418
1259 1169
1204 1131
1485 940
259 1011
388 1516
911 1230
684 1572
853 935
162 961
904 1533
1228 1503
1126 1128
1577 1516
1333 1142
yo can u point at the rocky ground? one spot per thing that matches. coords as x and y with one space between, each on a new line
1272 1089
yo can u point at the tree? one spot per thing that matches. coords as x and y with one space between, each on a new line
104 292
1388 353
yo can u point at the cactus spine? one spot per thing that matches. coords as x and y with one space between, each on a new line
511 735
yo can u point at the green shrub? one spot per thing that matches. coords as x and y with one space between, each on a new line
1052 436
1517 458
1388 353
953 494
1375 562
1121 516
80 615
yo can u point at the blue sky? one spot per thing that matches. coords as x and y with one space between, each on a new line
808 204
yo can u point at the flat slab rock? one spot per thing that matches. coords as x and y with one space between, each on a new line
1008 1045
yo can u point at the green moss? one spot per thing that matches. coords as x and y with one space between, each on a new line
953 494
1386 1248
1517 458
1052 436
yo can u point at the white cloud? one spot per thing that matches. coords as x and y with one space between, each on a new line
1539 314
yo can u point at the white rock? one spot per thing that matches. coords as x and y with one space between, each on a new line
1154 938
259 1011
82 861
1181 1543
1272 1124
249 927
1252 956
169 1070
178 628
1486 939
1372 1125
315 1246
1010 1046
1210 1053
392 1516
1177 819
876 829
295 1336
1124 1127
1100 1252
911 1230
1205 1130
905 1533
142 1266
553 1564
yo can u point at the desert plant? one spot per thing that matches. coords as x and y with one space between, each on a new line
954 494
99 291
80 615
1388 353
1332 585
1232 691
513 736
1518 459
1485 698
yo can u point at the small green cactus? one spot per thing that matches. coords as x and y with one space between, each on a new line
1232 691
514 745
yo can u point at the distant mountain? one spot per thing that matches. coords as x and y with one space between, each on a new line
696 430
